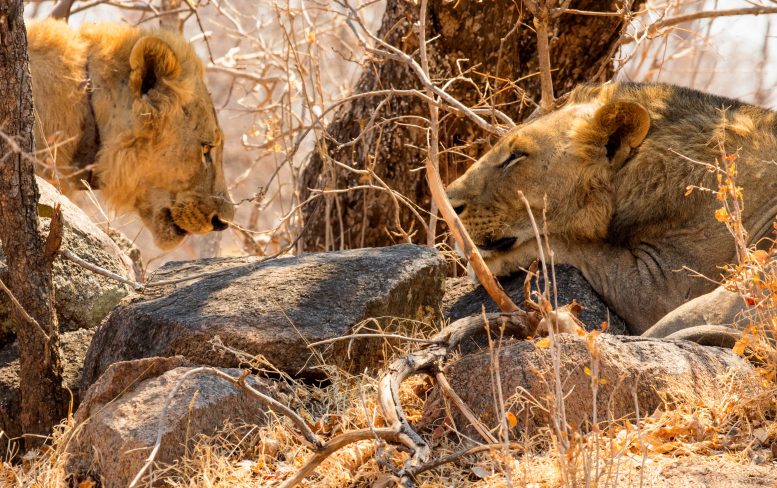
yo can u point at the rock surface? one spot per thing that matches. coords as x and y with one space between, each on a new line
74 345
273 308
463 298
83 298
657 370
116 425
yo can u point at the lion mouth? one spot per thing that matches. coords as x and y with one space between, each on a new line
503 244
168 217
179 231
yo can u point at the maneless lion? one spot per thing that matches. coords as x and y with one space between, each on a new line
127 110
616 163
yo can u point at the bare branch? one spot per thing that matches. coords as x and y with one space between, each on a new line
437 188
540 12
62 10
654 28
101 271
385 433
391 52
370 336
22 311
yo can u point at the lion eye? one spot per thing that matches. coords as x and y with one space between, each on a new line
513 158
206 156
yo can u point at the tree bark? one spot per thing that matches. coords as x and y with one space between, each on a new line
494 40
29 269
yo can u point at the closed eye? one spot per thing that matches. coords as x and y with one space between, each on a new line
513 158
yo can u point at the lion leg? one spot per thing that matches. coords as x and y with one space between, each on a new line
709 335
634 282
718 308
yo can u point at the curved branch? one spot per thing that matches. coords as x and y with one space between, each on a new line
710 14
428 360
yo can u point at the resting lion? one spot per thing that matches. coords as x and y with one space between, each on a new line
128 111
615 163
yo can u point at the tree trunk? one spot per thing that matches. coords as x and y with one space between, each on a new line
490 38
29 270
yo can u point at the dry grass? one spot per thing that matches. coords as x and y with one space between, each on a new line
735 428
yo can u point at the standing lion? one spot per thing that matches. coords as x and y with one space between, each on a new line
127 111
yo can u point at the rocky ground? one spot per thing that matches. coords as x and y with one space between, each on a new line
126 353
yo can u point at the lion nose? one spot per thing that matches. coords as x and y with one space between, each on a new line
218 224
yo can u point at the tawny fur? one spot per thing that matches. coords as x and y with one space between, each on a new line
615 163
155 118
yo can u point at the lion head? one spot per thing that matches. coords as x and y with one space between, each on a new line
162 148
563 164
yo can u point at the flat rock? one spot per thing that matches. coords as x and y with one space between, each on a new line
82 298
74 345
463 298
655 370
273 308
117 424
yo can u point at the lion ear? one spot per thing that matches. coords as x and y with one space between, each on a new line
154 67
622 126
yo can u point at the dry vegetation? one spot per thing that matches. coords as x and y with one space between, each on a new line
278 70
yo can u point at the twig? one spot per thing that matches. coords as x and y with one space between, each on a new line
100 271
367 336
467 246
61 10
710 14
385 433
539 10
537 235
448 391
591 13
391 52
429 360
456 455
22 311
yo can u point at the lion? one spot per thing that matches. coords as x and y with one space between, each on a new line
620 171
126 110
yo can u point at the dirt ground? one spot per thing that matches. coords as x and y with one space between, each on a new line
696 472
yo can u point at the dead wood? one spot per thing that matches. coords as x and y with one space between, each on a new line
430 360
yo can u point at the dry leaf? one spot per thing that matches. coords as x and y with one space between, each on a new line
512 420
543 343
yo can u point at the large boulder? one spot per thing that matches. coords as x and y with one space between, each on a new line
74 345
651 372
273 308
117 423
464 298
82 298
